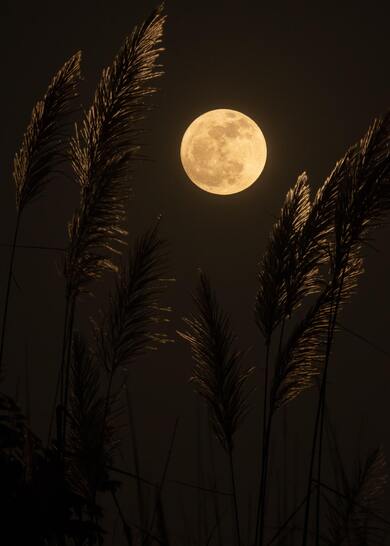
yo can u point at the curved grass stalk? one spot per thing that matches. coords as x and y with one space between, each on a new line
102 153
217 375
41 152
288 272
264 455
362 201
8 289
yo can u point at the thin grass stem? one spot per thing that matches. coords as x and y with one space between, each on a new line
283 506
235 502
215 496
319 422
311 469
60 375
34 247
162 483
133 438
68 357
286 523
265 406
264 479
8 289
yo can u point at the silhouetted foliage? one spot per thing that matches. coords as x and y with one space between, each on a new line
218 375
58 494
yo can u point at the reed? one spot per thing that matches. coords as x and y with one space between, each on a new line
289 271
309 271
103 151
132 322
362 202
42 153
92 436
218 376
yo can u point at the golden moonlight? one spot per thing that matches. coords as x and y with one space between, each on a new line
223 151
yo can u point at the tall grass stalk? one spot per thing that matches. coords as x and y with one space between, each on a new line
217 511
146 540
67 354
102 152
322 402
126 528
362 202
283 489
8 288
264 434
338 289
42 152
264 480
217 375
134 444
199 477
287 273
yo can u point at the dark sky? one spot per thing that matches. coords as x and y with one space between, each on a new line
312 75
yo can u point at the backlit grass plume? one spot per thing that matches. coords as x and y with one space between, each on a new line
103 150
217 375
276 297
302 355
43 150
44 145
131 324
354 197
364 197
362 202
289 271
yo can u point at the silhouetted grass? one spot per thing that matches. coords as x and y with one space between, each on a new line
43 150
218 375
60 494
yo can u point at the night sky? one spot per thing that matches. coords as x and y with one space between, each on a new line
313 76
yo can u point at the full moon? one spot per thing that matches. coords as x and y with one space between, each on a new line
223 151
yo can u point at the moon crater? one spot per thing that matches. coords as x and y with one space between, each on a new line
223 151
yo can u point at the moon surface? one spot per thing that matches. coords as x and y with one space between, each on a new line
223 151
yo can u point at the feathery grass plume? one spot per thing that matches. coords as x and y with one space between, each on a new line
362 200
103 150
279 292
320 222
44 143
102 153
218 376
90 419
42 151
299 241
353 514
359 194
302 355
288 272
130 326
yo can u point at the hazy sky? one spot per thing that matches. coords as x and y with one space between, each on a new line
312 75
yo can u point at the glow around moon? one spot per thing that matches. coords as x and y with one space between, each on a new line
223 151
